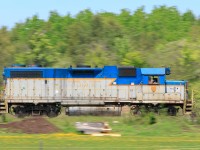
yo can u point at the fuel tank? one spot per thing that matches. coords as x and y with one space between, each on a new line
96 111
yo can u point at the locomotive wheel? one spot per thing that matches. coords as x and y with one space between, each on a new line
52 114
172 111
135 110
138 112
19 112
53 111
156 110
152 109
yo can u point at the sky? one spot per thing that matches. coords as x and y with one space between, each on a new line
16 11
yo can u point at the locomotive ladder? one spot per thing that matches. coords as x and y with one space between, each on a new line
189 104
3 105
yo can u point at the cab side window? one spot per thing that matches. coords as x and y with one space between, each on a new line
153 80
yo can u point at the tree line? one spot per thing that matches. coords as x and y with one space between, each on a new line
163 37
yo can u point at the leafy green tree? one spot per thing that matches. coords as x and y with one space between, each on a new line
98 56
121 47
40 51
125 18
6 48
163 37
133 59
166 22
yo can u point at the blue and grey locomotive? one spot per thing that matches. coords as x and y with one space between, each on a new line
31 90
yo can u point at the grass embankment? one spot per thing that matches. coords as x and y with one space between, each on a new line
137 133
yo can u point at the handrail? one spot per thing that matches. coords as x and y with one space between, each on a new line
1 95
192 97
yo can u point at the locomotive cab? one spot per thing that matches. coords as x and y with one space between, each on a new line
154 75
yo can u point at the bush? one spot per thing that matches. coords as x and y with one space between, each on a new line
152 119
3 118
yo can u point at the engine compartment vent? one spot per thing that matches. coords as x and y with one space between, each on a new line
83 66
26 74
126 72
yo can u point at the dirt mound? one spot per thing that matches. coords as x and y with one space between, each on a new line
31 125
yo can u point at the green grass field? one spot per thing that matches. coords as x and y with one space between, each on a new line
136 133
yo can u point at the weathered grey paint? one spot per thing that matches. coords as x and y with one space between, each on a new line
88 91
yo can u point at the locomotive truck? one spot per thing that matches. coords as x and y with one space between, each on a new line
86 90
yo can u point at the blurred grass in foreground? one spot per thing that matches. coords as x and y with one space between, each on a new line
68 141
180 132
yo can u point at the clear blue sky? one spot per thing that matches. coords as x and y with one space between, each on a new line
13 11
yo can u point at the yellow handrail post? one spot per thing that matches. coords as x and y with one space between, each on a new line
192 97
